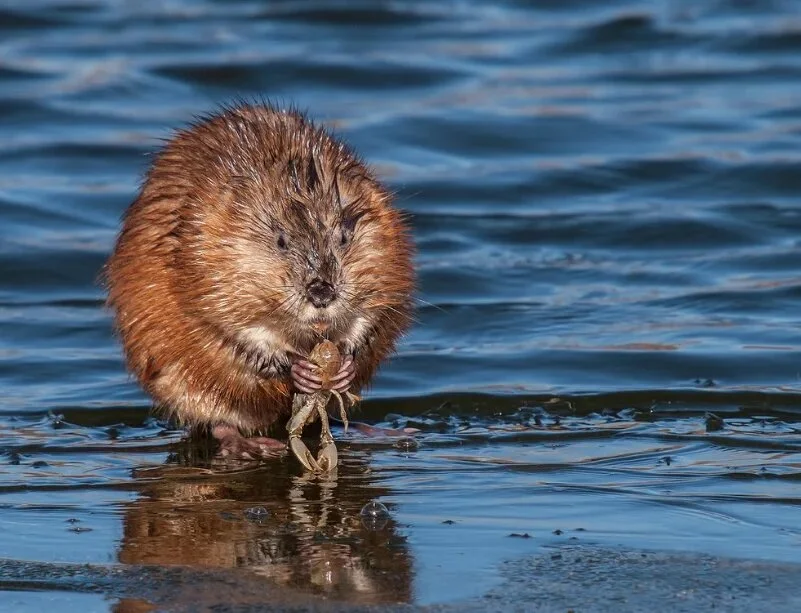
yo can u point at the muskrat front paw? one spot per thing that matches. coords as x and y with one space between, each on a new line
305 378
341 381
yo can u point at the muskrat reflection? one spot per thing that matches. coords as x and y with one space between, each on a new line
312 536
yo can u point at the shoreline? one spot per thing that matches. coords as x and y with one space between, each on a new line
579 578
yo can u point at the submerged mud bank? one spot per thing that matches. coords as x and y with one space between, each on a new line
578 578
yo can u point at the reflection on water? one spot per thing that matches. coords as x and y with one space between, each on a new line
605 201
295 530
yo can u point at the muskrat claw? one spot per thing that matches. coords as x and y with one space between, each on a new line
308 407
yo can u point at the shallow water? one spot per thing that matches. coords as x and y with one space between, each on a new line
605 200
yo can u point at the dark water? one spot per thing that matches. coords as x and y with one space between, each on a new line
606 202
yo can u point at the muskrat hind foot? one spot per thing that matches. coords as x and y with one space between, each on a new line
235 446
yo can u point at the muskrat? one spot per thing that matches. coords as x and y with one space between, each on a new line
255 235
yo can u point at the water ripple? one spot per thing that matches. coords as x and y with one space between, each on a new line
605 202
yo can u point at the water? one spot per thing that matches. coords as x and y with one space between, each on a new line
605 201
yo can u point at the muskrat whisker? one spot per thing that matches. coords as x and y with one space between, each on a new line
430 304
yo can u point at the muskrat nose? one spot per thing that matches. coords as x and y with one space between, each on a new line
320 293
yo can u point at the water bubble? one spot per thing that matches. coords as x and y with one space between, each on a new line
407 443
256 514
374 515
374 509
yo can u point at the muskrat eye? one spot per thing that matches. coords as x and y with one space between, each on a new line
282 243
348 225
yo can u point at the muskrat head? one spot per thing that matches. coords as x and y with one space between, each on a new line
289 233
313 232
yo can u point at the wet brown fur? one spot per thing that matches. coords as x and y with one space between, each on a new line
209 307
